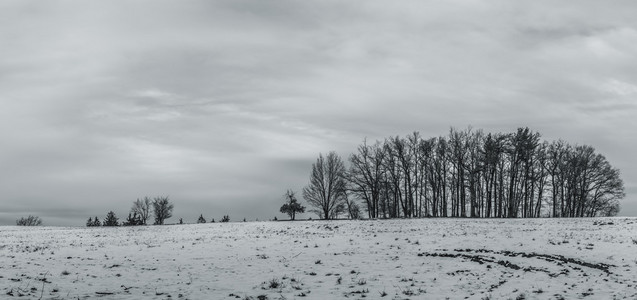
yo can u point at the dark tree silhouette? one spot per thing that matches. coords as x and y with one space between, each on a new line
111 219
29 221
225 219
133 220
367 177
163 209
469 173
201 219
327 189
143 208
292 206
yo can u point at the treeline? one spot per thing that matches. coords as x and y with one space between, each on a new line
140 213
158 208
470 173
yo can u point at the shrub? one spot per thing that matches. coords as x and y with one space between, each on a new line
29 221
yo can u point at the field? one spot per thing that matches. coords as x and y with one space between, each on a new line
380 259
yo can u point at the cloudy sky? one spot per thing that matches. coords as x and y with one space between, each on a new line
223 105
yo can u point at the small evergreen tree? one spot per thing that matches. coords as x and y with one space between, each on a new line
111 219
89 223
181 221
213 220
292 206
133 220
97 222
225 219
201 219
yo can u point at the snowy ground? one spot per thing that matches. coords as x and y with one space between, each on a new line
389 259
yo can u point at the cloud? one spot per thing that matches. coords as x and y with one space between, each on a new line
225 104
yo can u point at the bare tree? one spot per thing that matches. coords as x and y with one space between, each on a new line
29 221
366 176
163 209
142 208
327 188
292 206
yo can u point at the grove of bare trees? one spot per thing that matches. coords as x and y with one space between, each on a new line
469 173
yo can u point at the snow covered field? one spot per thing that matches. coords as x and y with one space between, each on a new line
384 259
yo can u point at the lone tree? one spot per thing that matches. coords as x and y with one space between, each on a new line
326 191
201 219
163 209
142 207
292 206
29 221
111 219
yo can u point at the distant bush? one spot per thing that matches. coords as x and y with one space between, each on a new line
29 221
201 219
225 219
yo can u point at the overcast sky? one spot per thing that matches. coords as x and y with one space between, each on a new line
223 105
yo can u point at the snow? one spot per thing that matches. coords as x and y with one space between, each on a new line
388 259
